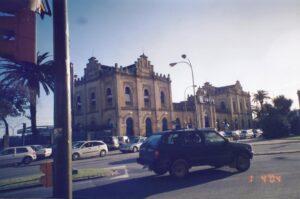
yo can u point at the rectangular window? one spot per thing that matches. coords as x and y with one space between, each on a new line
22 150
93 101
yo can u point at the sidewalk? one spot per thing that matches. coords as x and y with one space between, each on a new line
261 141
264 147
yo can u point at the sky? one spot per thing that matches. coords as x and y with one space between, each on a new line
254 41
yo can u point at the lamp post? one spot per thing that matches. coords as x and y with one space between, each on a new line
185 99
188 62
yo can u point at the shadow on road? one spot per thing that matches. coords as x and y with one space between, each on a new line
150 185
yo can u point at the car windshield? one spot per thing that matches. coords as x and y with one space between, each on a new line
37 147
76 145
133 140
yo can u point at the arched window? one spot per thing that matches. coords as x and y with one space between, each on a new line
128 96
164 124
148 127
207 121
110 124
109 97
177 123
78 103
129 127
93 101
223 106
146 98
162 99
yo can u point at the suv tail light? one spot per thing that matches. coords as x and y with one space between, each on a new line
156 154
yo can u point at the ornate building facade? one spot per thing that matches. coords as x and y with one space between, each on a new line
131 100
134 100
232 104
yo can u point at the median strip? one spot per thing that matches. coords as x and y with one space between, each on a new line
34 180
277 152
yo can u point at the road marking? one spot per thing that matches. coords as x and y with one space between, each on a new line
120 172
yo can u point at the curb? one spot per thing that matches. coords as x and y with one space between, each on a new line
277 152
283 142
20 188
40 185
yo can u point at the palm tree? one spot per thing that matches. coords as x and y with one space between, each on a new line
260 97
13 103
30 76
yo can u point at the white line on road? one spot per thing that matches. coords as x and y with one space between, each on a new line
118 171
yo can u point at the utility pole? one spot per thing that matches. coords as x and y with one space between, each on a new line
62 168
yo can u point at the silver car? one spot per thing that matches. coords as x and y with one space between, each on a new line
133 145
42 152
84 149
17 155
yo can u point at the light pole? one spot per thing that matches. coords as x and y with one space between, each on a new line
185 99
188 62
62 168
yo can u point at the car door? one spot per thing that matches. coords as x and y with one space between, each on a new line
7 156
86 150
21 152
96 148
172 146
216 148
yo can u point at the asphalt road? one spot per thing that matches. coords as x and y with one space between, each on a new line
270 176
116 158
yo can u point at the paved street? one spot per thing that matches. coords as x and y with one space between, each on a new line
271 176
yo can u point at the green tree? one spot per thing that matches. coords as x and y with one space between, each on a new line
275 119
13 103
31 76
282 104
294 119
260 98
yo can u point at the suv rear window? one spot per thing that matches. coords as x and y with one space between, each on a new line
22 150
153 140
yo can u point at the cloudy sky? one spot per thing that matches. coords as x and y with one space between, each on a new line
254 41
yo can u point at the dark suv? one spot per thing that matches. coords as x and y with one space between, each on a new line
178 151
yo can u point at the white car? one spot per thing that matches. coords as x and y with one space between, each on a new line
41 151
84 149
17 155
133 145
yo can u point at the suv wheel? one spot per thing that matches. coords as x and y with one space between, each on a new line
75 156
135 149
179 168
102 153
27 160
242 162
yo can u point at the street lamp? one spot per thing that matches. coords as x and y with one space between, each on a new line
185 98
188 62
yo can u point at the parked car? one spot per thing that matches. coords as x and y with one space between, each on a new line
112 142
123 139
42 152
178 151
133 145
222 133
246 134
84 149
17 155
257 133
236 134
228 134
